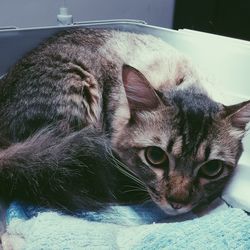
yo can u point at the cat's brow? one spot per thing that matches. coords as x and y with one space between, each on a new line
170 145
202 152
177 146
156 139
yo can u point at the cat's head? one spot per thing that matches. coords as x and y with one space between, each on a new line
181 144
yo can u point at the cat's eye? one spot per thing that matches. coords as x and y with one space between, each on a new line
155 156
212 169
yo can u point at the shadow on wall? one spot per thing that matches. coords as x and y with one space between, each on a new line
223 17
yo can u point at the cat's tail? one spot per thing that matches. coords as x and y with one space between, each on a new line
50 169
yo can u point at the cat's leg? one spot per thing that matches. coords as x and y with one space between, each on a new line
80 101
69 94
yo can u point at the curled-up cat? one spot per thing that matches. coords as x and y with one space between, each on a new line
93 117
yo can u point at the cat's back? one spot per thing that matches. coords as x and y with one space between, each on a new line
90 49
50 82
63 79
162 64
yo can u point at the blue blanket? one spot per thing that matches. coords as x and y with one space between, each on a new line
127 227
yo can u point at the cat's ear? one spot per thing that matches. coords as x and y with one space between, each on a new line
238 114
140 95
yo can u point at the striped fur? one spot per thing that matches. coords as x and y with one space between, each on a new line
78 113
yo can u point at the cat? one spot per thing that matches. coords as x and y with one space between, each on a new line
92 117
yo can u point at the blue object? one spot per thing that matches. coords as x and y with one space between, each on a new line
128 227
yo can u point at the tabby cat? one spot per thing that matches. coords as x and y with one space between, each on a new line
93 117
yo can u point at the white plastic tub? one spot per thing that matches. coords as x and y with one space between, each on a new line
226 61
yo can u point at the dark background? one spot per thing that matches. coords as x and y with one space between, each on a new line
224 17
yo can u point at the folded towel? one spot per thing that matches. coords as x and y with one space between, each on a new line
126 227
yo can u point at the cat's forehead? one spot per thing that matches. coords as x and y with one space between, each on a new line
192 100
193 118
151 128
183 111
184 124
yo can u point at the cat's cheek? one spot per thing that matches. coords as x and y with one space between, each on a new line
203 181
159 173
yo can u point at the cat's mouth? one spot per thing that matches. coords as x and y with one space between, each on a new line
174 209
170 207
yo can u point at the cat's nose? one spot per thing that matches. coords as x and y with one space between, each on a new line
176 205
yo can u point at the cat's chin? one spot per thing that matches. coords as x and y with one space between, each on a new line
173 212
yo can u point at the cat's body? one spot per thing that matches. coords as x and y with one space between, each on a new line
76 77
127 93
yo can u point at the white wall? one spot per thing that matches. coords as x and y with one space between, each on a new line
27 13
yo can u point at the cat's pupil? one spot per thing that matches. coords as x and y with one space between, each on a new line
155 156
212 169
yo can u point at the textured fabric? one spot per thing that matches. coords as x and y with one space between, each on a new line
127 228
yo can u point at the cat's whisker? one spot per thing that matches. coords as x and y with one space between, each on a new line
131 190
124 169
137 187
125 172
147 199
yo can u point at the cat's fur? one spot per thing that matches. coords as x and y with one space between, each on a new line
78 113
